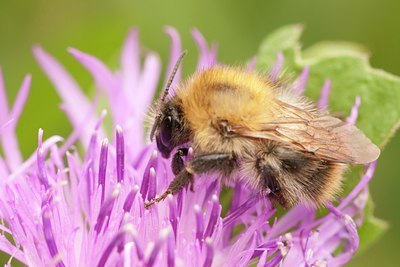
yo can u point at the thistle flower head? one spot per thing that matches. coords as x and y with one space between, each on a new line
65 208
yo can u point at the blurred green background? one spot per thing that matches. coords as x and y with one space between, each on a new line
99 27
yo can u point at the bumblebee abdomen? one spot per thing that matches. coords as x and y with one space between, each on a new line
290 176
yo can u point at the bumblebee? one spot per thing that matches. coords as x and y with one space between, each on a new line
244 126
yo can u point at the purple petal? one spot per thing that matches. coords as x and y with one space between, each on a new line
128 261
49 236
252 64
324 95
207 57
245 207
366 178
31 161
263 259
157 247
146 178
105 212
238 195
5 125
199 223
129 199
80 129
276 70
352 119
115 242
215 212
8 137
175 52
21 98
275 261
351 229
103 168
247 253
291 219
139 250
239 248
69 91
11 149
209 253
3 171
7 247
147 84
120 154
130 63
299 86
41 165
103 77
152 184
170 251
173 214
212 189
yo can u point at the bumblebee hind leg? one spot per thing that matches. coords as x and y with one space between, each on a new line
271 170
289 177
269 183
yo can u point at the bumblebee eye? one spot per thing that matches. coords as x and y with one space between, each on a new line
166 131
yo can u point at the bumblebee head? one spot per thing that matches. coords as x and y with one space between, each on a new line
168 127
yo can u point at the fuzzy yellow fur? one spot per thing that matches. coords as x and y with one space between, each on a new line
251 101
239 97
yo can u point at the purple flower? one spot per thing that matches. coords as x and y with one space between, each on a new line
65 208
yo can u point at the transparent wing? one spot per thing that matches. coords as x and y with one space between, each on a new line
327 137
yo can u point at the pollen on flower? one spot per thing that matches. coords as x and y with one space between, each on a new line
164 233
117 190
282 247
309 254
71 208
321 263
130 228
288 236
170 198
348 220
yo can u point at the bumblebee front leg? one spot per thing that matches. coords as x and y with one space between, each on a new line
223 163
220 162
177 162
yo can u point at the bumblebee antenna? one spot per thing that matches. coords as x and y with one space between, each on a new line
166 91
172 76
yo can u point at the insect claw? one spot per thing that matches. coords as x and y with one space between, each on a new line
191 185
147 205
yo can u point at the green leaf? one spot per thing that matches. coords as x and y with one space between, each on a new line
347 66
351 75
285 40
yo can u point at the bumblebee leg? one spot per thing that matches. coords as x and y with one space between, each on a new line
180 181
224 163
268 181
177 162
282 173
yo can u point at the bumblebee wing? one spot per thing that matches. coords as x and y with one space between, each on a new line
326 137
